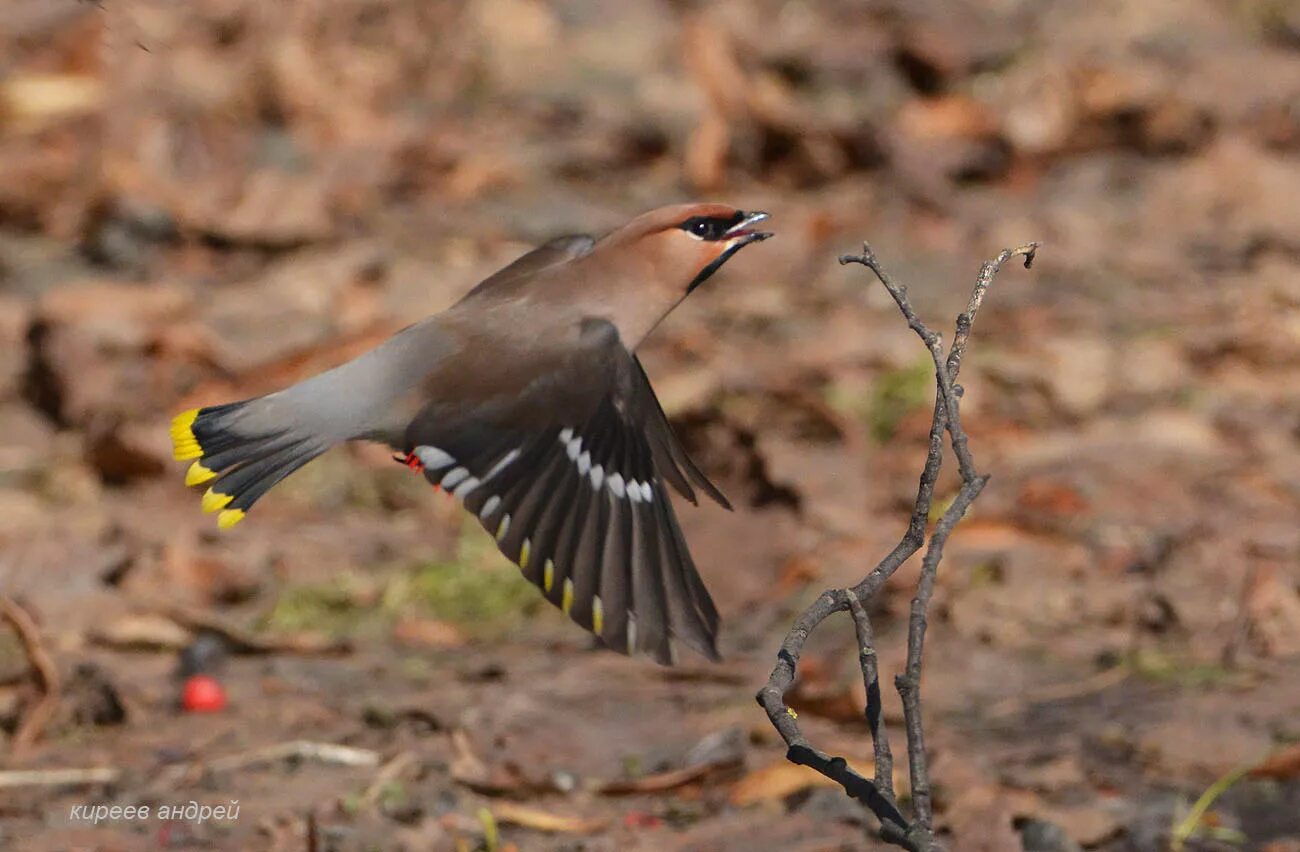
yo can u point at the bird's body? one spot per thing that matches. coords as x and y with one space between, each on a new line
525 401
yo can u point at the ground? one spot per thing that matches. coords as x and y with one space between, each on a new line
205 201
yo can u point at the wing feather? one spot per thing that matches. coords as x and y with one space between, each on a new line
574 492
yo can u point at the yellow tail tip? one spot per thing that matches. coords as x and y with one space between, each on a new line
186 451
229 518
184 444
198 474
215 501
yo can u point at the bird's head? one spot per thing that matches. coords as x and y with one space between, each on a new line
661 256
687 243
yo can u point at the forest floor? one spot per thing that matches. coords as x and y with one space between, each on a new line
201 202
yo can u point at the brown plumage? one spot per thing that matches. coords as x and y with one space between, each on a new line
525 401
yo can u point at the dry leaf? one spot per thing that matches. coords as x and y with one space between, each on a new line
32 99
656 783
1280 765
469 769
147 632
1087 824
951 117
1274 610
540 820
428 632
776 782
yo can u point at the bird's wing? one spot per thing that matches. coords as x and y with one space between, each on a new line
565 467
556 251
671 458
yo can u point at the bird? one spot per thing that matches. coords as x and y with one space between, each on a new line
526 401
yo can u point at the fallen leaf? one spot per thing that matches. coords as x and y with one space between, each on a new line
776 781
33 99
953 116
1087 824
540 820
1273 607
273 209
469 769
429 633
137 632
655 783
1280 765
826 690
246 641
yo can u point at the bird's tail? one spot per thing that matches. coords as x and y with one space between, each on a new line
243 449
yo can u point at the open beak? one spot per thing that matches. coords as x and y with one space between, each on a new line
734 239
742 233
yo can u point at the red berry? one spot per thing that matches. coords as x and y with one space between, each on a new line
203 694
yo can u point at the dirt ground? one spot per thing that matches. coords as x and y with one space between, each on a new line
203 201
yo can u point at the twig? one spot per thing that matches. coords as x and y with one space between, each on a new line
884 758
878 794
387 774
29 634
58 777
299 749
909 684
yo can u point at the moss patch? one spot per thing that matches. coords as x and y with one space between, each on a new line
335 608
897 394
478 589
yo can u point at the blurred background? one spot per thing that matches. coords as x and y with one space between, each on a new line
207 200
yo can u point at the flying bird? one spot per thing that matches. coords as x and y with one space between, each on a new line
526 402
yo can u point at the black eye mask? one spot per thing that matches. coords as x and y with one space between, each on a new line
735 229
711 228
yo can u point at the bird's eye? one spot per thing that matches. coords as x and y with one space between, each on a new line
710 228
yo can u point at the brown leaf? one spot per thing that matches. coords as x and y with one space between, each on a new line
1273 606
774 782
706 152
142 632
245 641
1052 498
828 692
34 99
950 117
199 577
469 769
1280 765
981 818
709 52
273 208
656 782
428 632
796 573
1088 824
123 452
540 820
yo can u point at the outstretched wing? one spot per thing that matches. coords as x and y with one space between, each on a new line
566 471
551 253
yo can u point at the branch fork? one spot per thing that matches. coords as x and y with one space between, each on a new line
877 793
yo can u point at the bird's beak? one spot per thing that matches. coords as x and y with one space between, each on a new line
742 233
733 240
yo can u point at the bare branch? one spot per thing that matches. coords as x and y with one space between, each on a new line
884 758
878 794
